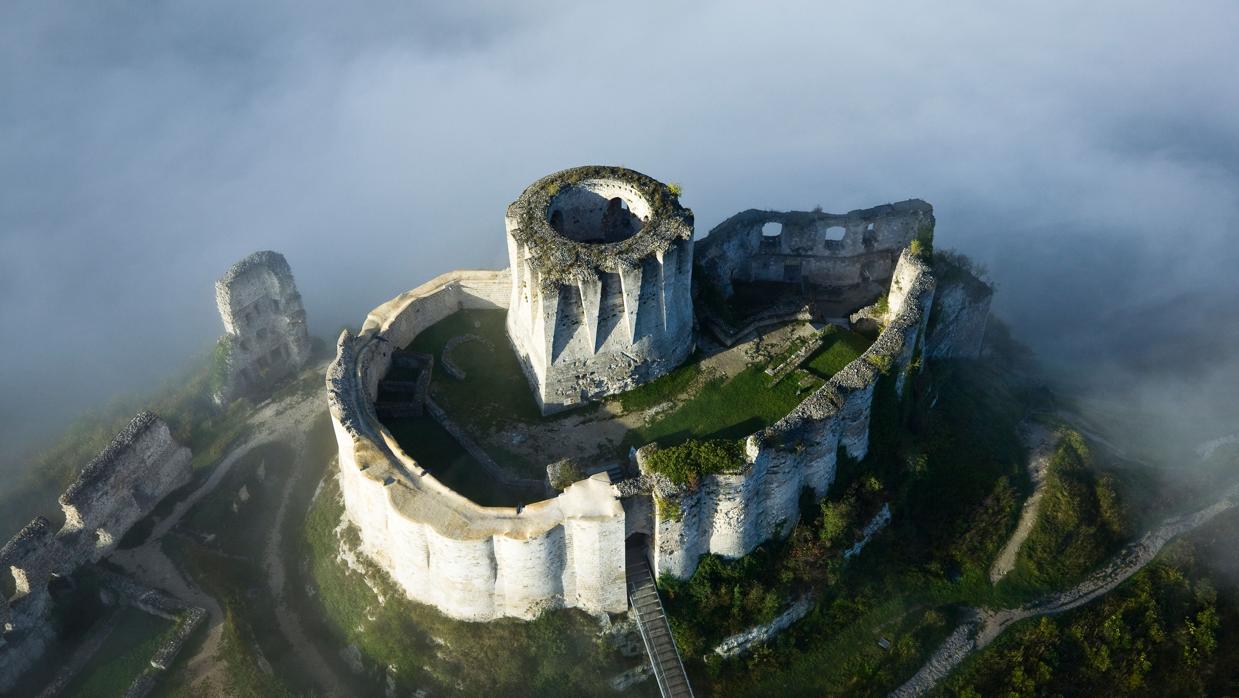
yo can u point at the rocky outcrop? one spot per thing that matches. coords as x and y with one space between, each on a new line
960 314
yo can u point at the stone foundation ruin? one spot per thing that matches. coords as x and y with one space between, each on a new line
141 466
265 336
582 331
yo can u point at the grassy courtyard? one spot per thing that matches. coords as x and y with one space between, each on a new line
494 401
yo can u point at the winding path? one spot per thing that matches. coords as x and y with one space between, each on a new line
1041 442
984 626
283 420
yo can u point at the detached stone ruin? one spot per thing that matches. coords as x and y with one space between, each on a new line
265 338
141 466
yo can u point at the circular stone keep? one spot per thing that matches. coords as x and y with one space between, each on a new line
602 261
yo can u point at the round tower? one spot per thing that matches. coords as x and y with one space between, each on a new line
602 263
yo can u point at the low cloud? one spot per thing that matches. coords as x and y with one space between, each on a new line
1087 155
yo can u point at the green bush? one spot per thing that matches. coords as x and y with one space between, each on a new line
687 463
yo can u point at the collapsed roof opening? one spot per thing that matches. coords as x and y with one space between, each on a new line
596 213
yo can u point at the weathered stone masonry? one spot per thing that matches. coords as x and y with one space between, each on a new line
480 563
118 488
730 514
470 561
601 261
265 336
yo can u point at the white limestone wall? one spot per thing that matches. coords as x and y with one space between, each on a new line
604 334
731 514
470 562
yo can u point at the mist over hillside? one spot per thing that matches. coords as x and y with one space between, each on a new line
1092 166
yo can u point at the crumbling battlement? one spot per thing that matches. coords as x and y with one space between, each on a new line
601 299
123 483
469 561
730 514
141 465
855 250
264 322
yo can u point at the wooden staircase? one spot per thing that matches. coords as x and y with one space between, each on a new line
655 630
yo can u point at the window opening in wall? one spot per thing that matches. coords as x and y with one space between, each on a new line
772 230
835 232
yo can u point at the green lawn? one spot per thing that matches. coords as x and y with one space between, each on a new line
838 350
495 393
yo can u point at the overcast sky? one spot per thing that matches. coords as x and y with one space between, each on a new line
1087 153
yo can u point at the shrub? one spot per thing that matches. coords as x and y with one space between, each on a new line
692 460
675 188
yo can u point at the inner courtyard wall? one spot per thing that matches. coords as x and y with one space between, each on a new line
469 561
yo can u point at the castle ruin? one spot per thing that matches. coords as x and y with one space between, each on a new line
265 338
599 299
119 487
601 261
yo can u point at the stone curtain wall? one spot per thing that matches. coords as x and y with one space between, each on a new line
806 246
114 491
471 562
731 514
264 324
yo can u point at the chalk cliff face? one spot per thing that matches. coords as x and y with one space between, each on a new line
469 561
141 466
960 316
731 514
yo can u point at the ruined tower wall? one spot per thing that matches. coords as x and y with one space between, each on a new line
264 323
470 562
856 250
731 514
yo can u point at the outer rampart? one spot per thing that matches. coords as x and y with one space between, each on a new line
471 562
730 514
121 485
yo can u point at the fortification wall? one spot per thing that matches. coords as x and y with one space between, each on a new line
471 562
856 250
730 514
120 486
265 336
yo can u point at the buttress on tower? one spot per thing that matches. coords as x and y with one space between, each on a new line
602 261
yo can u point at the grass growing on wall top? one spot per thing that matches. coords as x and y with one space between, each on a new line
687 463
